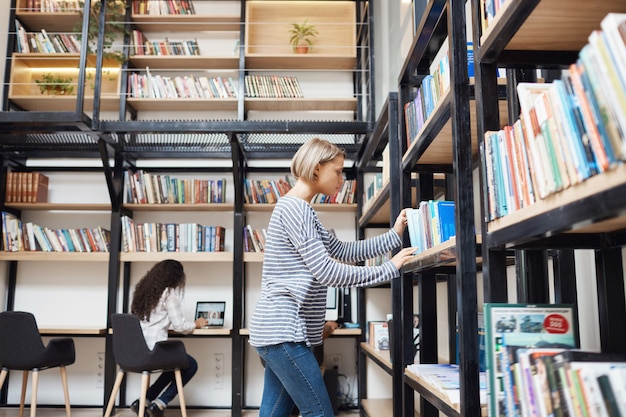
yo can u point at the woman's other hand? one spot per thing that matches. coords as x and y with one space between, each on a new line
403 257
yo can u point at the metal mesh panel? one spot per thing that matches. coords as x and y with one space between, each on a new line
202 143
50 142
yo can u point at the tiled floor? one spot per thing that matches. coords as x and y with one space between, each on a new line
125 412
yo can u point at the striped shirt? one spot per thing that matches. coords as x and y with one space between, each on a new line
302 259
167 314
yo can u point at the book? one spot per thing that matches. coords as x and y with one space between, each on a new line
568 365
523 325
379 335
39 188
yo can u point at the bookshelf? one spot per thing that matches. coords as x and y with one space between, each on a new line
587 215
443 146
233 39
144 129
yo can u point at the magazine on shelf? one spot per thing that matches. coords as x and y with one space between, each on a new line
510 328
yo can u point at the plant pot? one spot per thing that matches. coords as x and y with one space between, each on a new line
302 49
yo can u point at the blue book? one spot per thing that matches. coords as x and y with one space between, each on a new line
446 220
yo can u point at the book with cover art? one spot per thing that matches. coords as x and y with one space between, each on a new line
527 326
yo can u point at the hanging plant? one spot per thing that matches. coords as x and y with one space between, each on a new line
114 27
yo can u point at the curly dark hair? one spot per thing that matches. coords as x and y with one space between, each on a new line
165 274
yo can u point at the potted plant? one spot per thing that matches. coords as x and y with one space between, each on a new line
301 37
55 84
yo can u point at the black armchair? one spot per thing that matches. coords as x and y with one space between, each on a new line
132 355
22 349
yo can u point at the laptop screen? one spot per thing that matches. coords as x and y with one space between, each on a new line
213 311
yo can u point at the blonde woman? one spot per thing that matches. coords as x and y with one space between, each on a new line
302 259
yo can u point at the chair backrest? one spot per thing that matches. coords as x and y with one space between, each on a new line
129 345
20 340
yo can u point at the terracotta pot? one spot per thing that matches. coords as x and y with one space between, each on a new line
302 49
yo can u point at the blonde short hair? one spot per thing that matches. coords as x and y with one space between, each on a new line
313 152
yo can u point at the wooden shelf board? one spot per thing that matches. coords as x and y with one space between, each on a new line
188 62
443 254
381 356
38 256
87 331
316 207
59 60
181 207
217 331
180 256
579 191
62 103
52 22
310 61
60 206
253 257
182 104
186 23
548 28
336 333
300 104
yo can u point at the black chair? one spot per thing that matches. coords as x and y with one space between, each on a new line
131 354
21 349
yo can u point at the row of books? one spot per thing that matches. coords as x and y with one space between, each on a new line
488 11
143 46
568 130
266 191
163 7
536 369
429 93
254 239
52 6
272 86
142 187
372 189
42 42
269 191
26 187
189 86
18 236
171 237
430 224
345 195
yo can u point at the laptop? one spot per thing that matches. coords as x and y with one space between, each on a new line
213 311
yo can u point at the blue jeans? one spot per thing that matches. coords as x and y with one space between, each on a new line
292 376
167 379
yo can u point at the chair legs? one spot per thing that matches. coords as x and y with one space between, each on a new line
66 392
33 400
145 383
181 395
23 395
116 388
33 396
